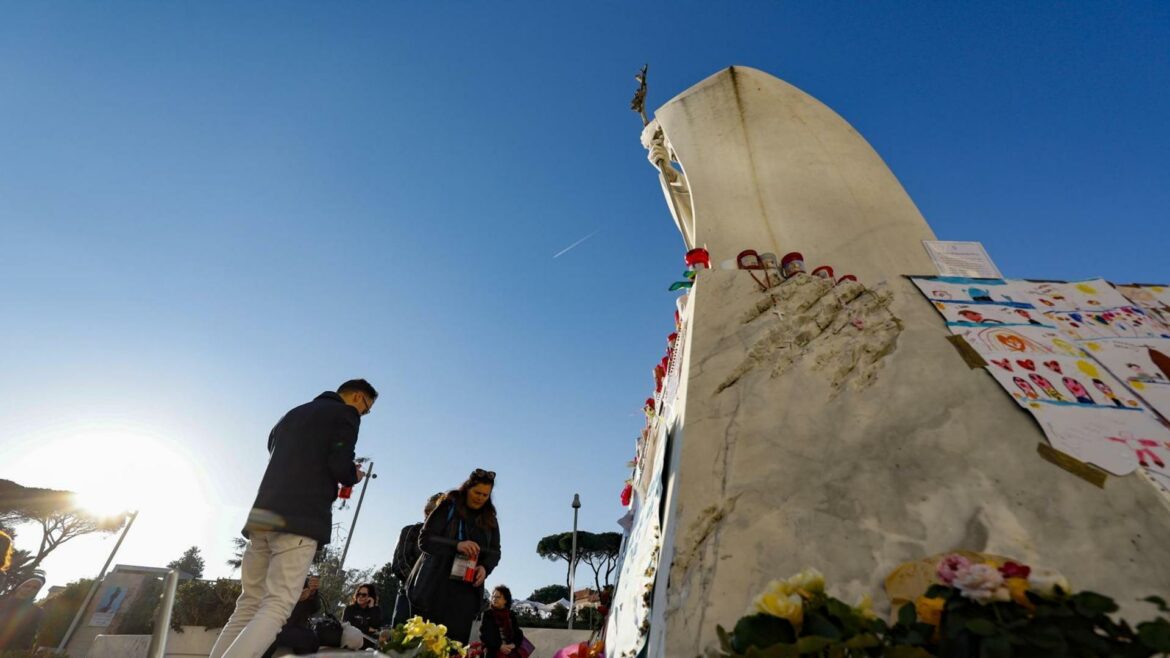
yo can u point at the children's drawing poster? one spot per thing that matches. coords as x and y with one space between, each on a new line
1154 298
630 610
1142 363
1087 309
1078 403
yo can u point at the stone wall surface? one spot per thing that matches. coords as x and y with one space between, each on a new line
836 427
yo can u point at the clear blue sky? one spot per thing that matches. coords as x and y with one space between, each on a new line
213 211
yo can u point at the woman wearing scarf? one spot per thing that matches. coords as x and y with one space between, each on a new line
460 543
500 631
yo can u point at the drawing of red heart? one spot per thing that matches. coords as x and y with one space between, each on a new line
1053 366
1027 364
1006 364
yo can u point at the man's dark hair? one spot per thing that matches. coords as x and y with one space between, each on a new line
359 386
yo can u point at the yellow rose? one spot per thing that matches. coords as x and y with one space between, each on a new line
778 601
808 581
929 610
1017 588
864 607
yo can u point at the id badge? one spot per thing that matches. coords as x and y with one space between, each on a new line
463 569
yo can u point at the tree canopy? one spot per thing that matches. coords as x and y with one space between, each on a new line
599 550
549 594
58 513
190 563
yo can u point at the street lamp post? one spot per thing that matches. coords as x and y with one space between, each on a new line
131 517
573 561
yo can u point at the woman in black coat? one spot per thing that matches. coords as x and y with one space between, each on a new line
364 614
500 630
461 532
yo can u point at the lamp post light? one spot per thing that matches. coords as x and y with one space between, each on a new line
573 561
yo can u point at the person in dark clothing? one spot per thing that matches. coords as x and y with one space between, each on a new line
297 633
405 555
364 613
19 618
311 454
500 630
460 543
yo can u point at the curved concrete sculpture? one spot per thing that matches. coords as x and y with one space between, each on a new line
836 427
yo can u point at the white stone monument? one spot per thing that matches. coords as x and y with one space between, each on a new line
835 426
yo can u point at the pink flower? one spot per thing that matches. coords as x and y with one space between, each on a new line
949 566
981 583
1015 570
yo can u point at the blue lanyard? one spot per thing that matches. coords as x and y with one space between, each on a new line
450 515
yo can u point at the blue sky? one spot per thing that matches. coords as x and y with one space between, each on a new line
213 211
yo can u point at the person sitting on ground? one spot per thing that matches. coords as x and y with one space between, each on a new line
364 614
500 630
297 634
405 555
19 618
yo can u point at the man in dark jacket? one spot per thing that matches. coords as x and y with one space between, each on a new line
405 555
311 454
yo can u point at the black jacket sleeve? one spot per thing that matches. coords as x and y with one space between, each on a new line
303 610
489 633
406 552
433 537
373 620
341 450
490 557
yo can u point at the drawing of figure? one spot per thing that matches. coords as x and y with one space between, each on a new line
1143 450
1046 386
1012 342
1139 373
1027 316
1107 391
1026 388
976 317
979 295
1078 391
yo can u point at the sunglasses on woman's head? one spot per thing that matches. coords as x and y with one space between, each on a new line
479 473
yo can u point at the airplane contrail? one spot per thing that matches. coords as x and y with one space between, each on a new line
562 251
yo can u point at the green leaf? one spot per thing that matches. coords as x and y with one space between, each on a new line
761 630
983 627
818 624
1155 635
937 591
906 652
907 615
724 639
1091 604
1158 601
812 644
862 642
995 647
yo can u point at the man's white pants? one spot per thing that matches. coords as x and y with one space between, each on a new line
271 577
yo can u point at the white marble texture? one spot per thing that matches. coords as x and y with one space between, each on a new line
857 450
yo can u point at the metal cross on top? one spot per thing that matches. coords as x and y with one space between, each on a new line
638 104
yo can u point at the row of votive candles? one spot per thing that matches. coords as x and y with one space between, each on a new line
789 266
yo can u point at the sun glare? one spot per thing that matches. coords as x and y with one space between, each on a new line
116 469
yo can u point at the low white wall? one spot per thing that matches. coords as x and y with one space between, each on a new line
196 642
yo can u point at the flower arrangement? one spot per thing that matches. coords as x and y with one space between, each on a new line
795 617
976 609
419 638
